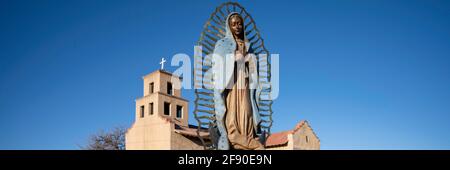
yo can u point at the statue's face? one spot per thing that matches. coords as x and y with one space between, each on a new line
236 25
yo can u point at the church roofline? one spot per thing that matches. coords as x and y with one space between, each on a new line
190 130
280 138
162 72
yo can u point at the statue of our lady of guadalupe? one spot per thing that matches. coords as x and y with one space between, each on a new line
235 75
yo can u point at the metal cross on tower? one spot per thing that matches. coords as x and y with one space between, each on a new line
162 63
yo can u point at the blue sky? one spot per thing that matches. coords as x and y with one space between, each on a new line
370 74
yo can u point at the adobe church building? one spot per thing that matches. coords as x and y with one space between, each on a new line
161 122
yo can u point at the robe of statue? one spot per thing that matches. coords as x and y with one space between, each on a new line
235 91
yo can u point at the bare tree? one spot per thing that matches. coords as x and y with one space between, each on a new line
111 140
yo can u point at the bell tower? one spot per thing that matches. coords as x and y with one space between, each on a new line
161 98
157 111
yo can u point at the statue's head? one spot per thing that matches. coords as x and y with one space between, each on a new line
236 24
